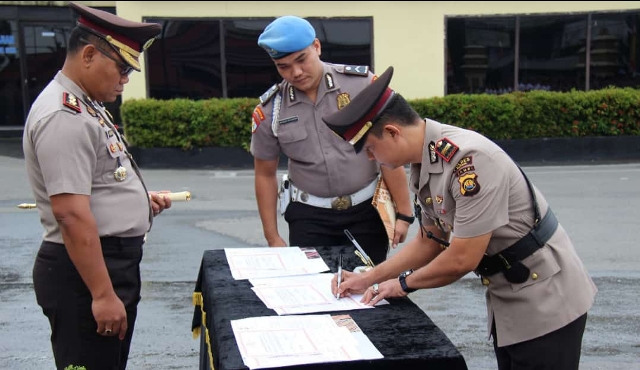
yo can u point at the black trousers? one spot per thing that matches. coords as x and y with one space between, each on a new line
558 350
313 227
66 302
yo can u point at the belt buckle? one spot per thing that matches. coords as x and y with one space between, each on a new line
341 203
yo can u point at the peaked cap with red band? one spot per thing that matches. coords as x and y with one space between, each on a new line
353 122
127 38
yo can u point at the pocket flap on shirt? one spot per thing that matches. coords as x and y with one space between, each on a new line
542 265
292 132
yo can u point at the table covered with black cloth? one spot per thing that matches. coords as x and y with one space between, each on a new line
401 331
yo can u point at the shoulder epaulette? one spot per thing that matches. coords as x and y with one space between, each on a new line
264 98
446 149
71 101
356 70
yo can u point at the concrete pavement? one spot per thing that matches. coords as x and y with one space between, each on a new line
598 205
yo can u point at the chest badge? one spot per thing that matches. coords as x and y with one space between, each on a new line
428 201
469 184
343 99
120 174
439 199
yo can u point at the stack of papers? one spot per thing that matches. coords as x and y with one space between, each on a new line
304 294
276 341
247 263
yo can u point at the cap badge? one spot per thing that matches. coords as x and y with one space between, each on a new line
343 99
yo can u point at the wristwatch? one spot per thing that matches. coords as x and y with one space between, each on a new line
403 283
405 218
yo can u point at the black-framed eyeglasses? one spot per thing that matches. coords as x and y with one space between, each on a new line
125 69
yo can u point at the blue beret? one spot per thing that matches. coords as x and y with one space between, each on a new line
286 35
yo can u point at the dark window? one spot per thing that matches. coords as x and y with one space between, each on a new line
551 48
614 50
11 102
184 62
189 57
480 55
250 70
345 41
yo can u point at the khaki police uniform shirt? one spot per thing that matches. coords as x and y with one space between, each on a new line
320 162
469 186
71 147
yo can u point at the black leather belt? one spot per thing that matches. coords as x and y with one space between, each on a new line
508 260
116 240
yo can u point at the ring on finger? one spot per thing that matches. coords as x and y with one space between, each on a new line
375 288
107 331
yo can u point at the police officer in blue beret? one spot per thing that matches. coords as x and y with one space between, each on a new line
329 187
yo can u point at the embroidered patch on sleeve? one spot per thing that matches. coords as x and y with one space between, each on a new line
446 149
469 184
256 118
465 161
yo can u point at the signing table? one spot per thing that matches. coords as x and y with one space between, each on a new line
401 331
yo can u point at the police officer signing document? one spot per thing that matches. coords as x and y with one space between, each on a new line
92 202
538 290
328 187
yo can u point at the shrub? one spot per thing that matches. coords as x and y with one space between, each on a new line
187 124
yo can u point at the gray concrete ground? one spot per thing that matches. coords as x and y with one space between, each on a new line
598 205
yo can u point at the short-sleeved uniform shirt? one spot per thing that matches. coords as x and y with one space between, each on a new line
468 185
288 122
71 146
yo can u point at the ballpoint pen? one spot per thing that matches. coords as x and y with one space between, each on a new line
339 275
360 252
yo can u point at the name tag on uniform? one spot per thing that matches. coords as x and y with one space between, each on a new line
288 120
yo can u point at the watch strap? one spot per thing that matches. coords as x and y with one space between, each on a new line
405 218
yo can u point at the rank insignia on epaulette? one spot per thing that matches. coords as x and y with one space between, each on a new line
91 111
264 98
112 147
446 149
101 121
120 146
357 70
343 99
70 100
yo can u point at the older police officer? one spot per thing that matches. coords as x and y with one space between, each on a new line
92 201
329 186
538 290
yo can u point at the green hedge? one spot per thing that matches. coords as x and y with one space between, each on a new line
190 124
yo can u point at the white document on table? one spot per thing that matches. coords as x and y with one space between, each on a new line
304 294
246 263
276 341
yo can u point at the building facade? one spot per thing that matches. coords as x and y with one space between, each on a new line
208 49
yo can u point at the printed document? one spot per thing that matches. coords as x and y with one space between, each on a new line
246 263
276 341
304 294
